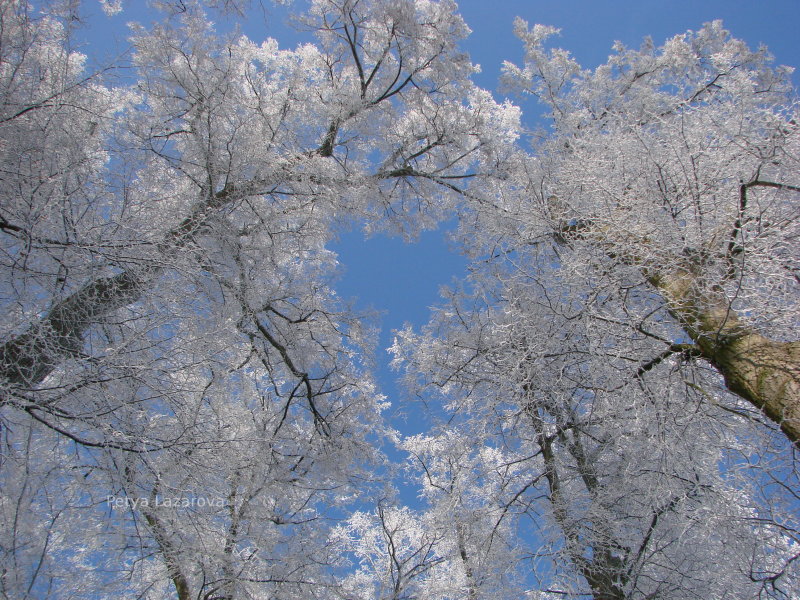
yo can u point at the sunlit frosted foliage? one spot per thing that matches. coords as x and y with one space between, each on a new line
187 408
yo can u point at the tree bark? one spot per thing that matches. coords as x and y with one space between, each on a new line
472 593
603 571
170 554
763 371
27 359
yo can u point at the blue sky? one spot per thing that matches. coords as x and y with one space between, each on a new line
403 280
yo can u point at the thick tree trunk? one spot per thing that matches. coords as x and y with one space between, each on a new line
27 359
170 554
472 592
764 372
604 572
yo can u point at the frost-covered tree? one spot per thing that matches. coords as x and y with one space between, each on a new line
631 319
458 547
611 479
174 358
679 165
186 405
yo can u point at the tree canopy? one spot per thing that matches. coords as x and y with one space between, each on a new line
188 409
